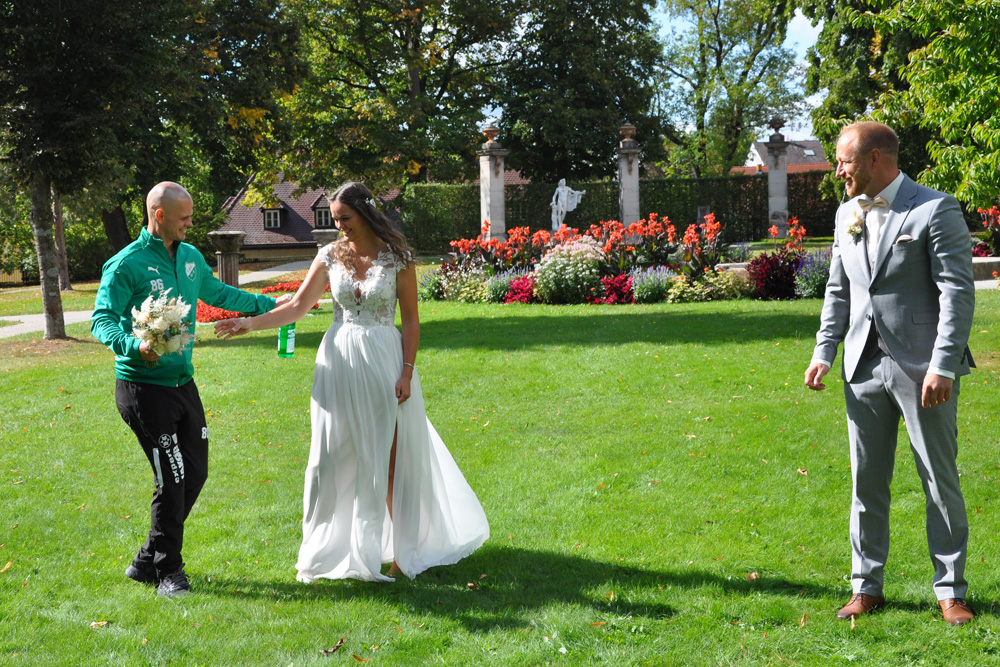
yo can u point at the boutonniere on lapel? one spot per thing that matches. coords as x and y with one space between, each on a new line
856 224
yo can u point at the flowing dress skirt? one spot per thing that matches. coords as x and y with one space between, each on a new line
346 529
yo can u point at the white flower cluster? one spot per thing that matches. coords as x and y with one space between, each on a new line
569 272
162 323
854 227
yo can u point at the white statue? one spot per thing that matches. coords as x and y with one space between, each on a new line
564 200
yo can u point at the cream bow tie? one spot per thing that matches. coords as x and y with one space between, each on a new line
867 203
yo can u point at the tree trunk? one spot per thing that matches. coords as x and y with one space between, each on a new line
115 228
45 247
60 239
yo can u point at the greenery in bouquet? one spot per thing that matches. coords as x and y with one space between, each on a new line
162 323
570 273
642 243
711 286
812 274
651 284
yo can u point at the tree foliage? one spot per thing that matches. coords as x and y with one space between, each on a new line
396 89
726 75
953 81
855 64
579 69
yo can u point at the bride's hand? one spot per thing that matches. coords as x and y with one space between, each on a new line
402 389
234 327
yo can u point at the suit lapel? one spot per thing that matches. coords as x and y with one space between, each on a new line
900 208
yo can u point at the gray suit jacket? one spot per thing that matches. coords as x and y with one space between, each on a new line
920 293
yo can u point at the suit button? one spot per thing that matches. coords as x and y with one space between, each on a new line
874 290
869 317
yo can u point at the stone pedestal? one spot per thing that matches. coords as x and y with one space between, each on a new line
227 253
777 178
492 209
628 176
324 237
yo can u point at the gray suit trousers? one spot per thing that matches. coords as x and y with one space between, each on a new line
878 395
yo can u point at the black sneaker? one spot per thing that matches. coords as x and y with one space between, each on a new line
174 585
142 572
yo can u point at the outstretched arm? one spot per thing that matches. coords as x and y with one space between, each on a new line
291 311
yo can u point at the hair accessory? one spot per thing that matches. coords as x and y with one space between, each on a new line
371 202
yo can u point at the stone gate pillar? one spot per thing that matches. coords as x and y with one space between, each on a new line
628 175
227 253
777 178
491 194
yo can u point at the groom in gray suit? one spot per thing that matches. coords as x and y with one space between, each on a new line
901 298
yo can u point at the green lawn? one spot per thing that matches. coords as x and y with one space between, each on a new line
662 490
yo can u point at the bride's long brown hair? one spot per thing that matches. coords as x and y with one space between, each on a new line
360 199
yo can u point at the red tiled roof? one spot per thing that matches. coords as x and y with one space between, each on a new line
792 169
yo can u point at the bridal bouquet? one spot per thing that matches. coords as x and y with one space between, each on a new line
162 323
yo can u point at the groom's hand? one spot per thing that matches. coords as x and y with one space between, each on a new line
814 376
936 390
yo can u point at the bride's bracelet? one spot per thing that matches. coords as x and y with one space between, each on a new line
407 363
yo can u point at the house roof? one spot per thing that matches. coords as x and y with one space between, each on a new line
802 155
297 217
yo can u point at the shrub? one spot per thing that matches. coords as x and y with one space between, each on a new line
617 289
569 272
498 286
812 274
773 274
522 290
713 286
467 284
431 287
651 285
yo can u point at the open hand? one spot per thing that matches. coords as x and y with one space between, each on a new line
237 326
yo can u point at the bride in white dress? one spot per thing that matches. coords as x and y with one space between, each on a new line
380 485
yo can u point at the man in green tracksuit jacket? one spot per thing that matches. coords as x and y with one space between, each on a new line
156 396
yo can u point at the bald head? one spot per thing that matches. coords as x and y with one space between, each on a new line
165 195
867 156
871 136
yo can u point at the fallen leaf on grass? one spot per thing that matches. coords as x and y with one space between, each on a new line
472 586
99 624
802 623
599 624
802 471
610 597
654 482
359 658
852 621
753 576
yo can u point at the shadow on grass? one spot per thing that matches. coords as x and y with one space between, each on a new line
549 329
519 583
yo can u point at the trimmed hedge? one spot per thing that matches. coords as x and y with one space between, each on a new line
433 214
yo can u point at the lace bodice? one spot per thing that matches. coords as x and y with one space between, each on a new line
370 301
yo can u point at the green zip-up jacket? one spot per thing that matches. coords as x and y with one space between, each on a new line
145 267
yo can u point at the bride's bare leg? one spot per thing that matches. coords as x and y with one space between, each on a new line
394 569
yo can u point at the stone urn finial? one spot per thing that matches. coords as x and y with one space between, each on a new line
627 131
491 131
776 123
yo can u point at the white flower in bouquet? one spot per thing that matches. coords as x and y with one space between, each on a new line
162 323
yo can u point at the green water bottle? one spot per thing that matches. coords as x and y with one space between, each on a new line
286 340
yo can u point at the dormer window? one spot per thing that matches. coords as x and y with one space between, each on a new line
323 219
810 152
272 218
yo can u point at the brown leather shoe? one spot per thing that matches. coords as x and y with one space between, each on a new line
861 603
956 611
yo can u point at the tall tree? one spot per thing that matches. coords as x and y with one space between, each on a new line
855 64
953 79
579 69
726 75
396 91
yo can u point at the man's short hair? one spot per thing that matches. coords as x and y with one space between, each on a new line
163 194
873 136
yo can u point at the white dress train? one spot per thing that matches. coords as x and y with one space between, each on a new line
346 529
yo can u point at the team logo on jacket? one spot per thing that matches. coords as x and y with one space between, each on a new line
191 270
167 441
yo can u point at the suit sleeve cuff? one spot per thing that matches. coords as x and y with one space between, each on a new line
820 360
942 372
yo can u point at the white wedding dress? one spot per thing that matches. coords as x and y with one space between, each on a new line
346 529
